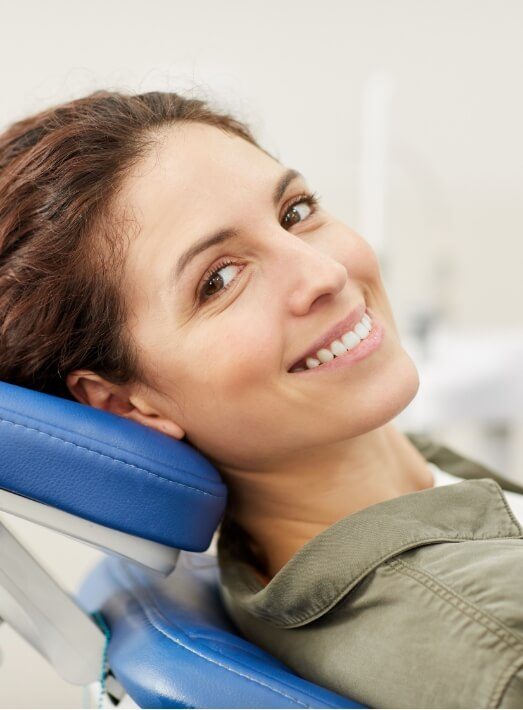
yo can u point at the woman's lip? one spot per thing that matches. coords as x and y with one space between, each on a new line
371 343
334 333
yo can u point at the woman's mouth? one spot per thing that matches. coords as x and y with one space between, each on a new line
355 344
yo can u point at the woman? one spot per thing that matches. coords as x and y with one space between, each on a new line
157 263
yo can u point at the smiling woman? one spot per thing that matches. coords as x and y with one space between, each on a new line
157 263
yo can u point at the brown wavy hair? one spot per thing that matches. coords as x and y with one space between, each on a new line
62 239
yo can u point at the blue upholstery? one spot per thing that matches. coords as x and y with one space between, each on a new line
172 644
108 469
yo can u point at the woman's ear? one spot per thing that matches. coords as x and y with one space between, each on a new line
92 389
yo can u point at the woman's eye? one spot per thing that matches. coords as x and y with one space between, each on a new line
300 209
211 283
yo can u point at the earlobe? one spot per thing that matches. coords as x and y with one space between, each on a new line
171 429
164 426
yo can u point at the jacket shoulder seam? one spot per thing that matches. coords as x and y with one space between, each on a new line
489 622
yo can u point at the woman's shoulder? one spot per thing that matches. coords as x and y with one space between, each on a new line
382 581
458 464
447 464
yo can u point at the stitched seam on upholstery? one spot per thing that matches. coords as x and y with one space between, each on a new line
111 458
206 637
504 681
191 650
85 436
502 632
263 673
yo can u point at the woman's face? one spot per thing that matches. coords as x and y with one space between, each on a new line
219 348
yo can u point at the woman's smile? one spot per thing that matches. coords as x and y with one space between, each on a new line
367 345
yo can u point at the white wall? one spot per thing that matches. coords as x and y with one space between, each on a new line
405 115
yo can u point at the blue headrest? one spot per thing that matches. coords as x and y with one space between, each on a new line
107 469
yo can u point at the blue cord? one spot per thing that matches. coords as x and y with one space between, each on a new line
97 616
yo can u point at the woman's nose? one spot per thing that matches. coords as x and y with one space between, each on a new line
309 274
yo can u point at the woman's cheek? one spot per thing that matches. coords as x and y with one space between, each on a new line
360 258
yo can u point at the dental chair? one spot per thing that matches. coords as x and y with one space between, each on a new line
147 627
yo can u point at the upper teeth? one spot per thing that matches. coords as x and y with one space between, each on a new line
346 342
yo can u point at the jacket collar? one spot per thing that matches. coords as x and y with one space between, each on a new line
331 564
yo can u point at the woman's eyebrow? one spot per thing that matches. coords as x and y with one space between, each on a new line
225 234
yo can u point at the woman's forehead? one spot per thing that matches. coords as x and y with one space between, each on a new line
197 179
194 158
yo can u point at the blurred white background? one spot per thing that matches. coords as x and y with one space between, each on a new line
405 115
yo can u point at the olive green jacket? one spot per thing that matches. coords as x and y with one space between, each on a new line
415 602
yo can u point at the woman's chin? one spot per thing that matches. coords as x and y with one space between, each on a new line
387 396
406 385
410 389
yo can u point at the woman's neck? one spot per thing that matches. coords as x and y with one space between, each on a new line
280 511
